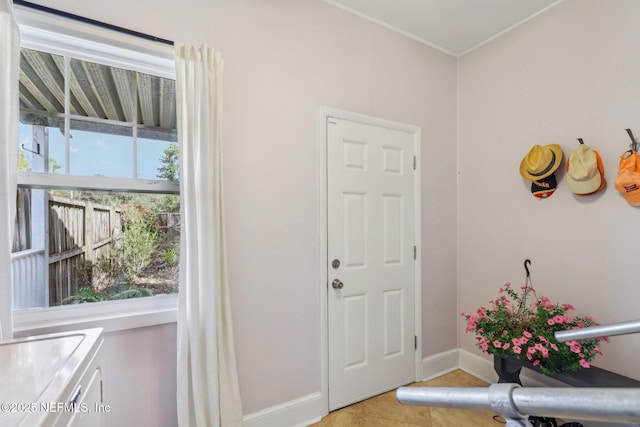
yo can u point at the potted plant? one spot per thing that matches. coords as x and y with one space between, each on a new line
511 327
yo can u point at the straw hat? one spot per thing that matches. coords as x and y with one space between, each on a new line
541 161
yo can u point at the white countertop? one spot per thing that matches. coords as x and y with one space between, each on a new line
37 369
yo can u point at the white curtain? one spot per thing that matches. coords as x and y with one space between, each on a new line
208 392
9 69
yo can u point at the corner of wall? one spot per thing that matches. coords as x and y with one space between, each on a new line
440 364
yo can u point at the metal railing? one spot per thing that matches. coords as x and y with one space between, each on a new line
28 271
622 328
515 403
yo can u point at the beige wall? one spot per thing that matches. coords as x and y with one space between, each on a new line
571 72
284 59
139 377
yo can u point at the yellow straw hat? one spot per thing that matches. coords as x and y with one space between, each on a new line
541 161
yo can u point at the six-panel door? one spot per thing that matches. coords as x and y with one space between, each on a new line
370 192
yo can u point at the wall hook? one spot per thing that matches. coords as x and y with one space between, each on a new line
527 262
580 141
634 143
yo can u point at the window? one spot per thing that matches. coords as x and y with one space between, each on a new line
98 199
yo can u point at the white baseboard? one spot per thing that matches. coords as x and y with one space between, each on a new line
295 413
478 366
440 364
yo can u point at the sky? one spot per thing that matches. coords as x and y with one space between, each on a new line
101 154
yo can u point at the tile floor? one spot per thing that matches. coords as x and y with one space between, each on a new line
385 411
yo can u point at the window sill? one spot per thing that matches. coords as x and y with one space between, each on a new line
110 315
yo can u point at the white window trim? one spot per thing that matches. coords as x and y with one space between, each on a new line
109 315
52 180
62 36
49 33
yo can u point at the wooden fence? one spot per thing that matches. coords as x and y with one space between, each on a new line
79 232
169 222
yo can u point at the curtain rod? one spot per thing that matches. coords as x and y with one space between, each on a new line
91 21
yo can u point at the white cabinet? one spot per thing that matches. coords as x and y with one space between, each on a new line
52 380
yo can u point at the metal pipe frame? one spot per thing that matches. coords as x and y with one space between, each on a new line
622 328
515 403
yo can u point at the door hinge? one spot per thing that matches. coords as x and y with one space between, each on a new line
415 342
415 161
415 252
332 120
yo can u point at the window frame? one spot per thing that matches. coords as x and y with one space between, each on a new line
57 35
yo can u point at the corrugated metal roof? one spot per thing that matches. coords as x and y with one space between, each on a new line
99 93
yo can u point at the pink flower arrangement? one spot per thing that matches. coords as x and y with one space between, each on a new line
510 327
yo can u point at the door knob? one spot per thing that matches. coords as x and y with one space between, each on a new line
337 284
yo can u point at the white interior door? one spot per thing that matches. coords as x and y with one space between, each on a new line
370 248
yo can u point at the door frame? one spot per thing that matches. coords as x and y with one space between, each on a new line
323 115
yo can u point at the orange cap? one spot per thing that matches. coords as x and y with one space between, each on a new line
628 179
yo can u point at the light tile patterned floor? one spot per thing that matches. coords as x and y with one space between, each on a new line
385 411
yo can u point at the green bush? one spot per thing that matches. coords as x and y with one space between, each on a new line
85 295
115 292
140 231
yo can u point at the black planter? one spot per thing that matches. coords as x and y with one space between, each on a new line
508 368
